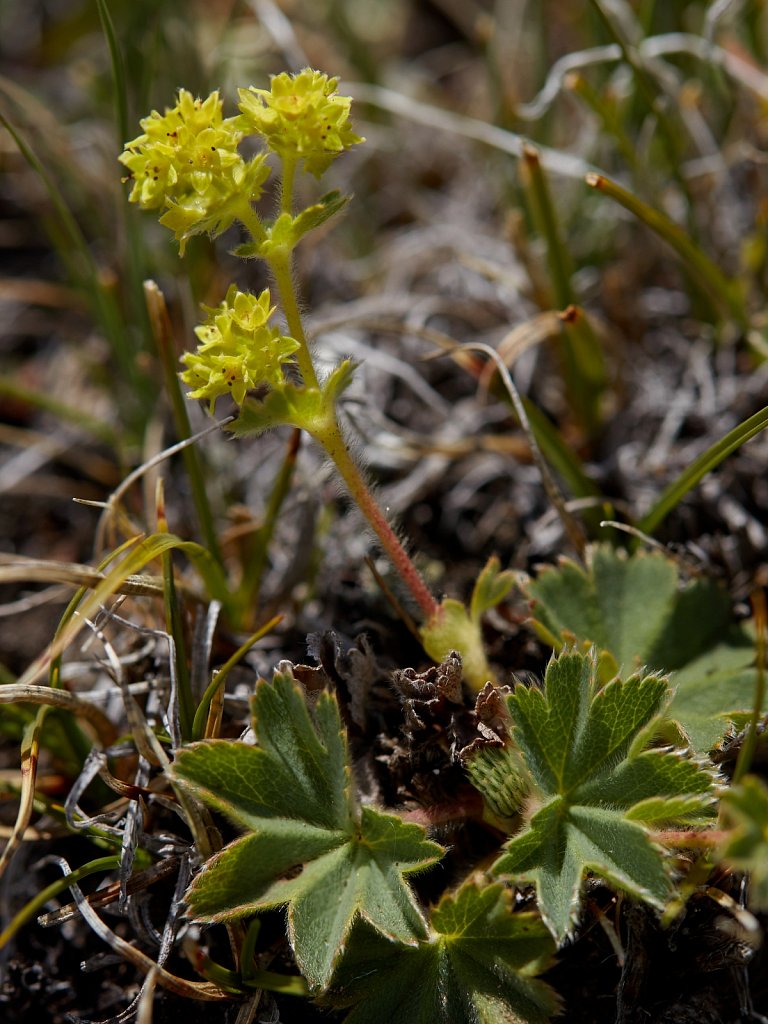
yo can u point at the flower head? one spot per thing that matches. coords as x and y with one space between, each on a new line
187 161
300 117
238 349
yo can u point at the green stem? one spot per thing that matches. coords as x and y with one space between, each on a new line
281 266
286 191
328 434
332 441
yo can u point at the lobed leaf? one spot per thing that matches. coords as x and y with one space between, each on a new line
308 846
592 791
476 967
632 608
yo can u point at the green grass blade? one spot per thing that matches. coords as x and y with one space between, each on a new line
579 348
163 338
219 678
143 552
748 748
136 257
76 255
175 628
711 280
70 414
118 69
36 904
253 569
699 468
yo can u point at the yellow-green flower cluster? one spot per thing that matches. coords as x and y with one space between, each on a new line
301 117
187 161
238 349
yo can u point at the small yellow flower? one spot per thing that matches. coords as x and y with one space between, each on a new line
238 349
187 161
300 117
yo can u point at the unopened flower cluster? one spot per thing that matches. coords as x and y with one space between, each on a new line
238 349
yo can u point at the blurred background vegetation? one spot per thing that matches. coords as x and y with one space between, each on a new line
474 220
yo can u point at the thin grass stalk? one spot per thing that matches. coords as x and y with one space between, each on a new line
577 84
248 593
87 278
37 903
163 336
553 446
201 714
669 134
749 746
707 461
175 627
579 348
70 414
135 249
711 280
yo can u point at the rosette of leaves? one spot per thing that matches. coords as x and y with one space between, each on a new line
594 794
635 609
307 845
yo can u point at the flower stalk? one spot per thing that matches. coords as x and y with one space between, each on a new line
333 443
187 164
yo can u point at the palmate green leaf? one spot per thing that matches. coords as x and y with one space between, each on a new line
633 608
477 966
307 845
592 793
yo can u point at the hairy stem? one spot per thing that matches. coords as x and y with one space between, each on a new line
332 441
282 271
328 434
286 192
